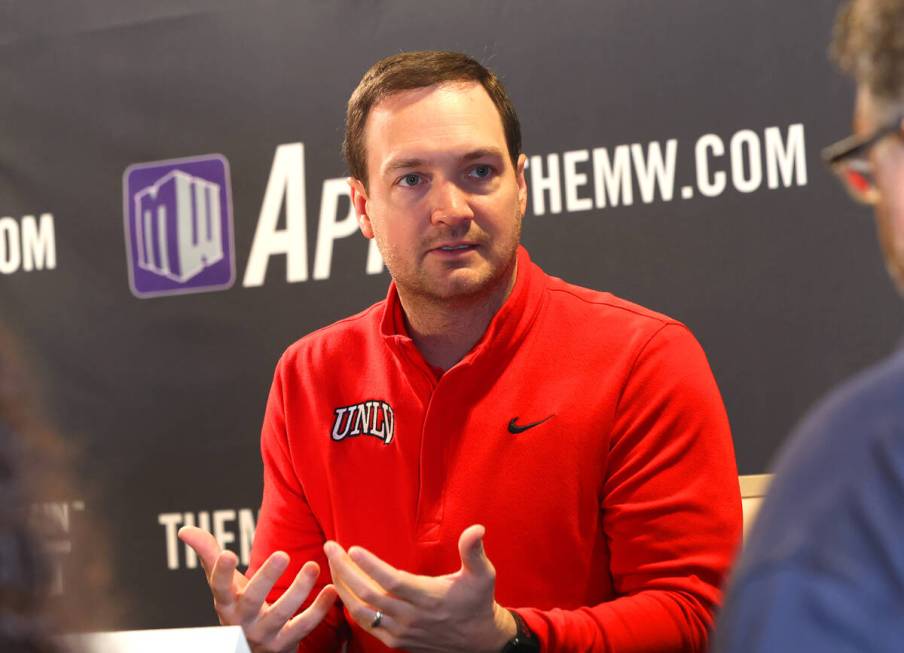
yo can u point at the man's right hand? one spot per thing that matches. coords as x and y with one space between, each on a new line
241 601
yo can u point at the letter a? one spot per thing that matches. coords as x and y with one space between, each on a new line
286 180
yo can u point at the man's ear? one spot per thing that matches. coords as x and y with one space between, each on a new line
359 202
522 183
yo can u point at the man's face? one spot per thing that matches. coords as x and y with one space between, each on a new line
443 199
887 158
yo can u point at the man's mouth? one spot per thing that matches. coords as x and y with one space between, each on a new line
455 248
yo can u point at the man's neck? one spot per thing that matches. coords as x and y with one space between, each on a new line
443 330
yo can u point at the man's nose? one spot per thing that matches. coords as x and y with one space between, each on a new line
449 204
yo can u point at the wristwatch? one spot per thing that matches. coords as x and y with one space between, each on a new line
524 640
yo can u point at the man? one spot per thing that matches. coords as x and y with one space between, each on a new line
823 569
581 436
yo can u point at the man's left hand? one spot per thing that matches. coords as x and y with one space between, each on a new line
455 612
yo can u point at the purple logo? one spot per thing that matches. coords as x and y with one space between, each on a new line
178 224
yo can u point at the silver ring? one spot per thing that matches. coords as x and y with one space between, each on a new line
378 619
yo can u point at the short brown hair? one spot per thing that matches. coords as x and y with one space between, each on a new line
869 45
410 70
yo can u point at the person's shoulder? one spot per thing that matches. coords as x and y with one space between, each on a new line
853 410
832 461
877 390
611 324
342 336
839 431
602 305
825 547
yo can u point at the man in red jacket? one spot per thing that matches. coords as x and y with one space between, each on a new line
483 411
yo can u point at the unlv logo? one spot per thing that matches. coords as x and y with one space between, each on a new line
373 418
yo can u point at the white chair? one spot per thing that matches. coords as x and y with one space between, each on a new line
753 489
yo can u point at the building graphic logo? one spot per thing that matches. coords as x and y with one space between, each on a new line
178 224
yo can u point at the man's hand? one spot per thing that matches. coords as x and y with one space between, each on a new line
456 612
240 601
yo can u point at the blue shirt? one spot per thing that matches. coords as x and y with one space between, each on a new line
823 568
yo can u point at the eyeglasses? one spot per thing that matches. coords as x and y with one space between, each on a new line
849 159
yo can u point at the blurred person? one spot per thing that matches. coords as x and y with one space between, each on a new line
24 566
35 467
582 436
823 568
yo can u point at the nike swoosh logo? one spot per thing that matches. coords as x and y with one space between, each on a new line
516 428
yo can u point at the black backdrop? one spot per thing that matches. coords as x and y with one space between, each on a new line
779 277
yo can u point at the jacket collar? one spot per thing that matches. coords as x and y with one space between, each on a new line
504 333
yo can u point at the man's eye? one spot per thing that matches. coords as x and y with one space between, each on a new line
410 180
481 172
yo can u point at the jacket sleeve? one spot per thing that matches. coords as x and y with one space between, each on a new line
671 510
286 522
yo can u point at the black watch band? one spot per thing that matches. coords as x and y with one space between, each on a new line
524 640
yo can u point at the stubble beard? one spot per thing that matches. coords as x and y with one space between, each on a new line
418 284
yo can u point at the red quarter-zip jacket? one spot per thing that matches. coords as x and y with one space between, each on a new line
611 521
